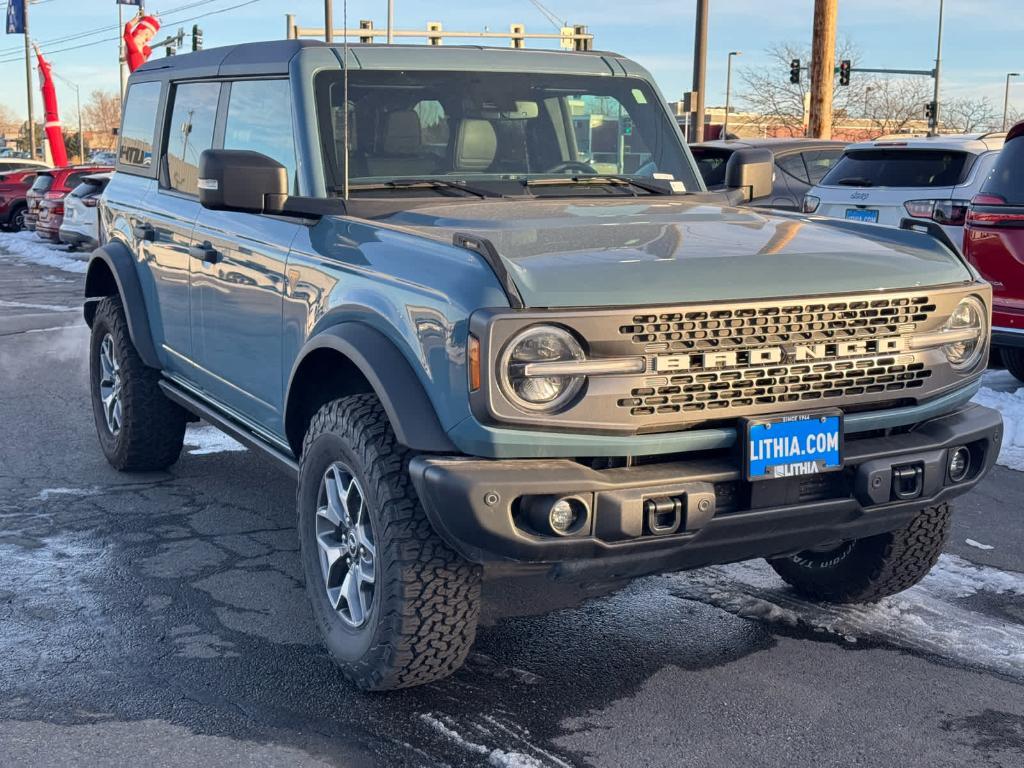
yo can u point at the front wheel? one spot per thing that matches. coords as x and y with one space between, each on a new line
1013 359
868 569
395 606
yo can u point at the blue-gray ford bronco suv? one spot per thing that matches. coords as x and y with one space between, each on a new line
480 304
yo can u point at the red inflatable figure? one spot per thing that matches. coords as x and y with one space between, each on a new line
137 33
52 125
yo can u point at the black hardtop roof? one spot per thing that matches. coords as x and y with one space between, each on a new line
273 56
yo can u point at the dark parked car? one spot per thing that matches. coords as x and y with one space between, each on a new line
799 165
54 184
13 187
994 244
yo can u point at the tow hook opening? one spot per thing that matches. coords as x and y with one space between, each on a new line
907 481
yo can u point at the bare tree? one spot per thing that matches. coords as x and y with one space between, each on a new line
768 92
893 105
102 112
967 115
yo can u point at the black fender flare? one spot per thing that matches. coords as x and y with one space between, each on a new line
392 378
121 264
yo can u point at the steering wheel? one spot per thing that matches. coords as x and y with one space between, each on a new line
572 165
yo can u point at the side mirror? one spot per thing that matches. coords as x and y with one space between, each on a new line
241 180
751 170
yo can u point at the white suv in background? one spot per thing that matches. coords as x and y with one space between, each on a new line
884 181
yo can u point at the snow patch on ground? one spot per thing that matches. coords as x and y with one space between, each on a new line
1003 392
204 439
46 493
495 756
47 307
977 544
930 617
26 246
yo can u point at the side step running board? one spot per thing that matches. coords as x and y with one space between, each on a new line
227 425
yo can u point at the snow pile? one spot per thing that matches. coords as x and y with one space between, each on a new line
204 439
1004 393
930 617
26 246
499 758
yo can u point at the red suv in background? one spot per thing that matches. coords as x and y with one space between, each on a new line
54 184
994 244
13 187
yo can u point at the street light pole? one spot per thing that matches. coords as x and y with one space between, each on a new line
1006 96
700 60
329 21
28 90
938 73
728 92
391 21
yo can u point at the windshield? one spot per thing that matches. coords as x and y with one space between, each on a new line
496 130
897 168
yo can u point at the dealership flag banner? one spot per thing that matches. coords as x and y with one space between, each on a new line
16 17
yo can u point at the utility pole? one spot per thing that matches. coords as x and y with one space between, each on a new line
823 59
28 91
700 60
391 21
329 21
938 73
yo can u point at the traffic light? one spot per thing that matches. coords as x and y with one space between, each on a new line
197 38
794 71
929 110
844 72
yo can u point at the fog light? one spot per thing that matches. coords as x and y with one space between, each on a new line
959 463
562 516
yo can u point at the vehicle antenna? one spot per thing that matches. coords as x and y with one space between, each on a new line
344 96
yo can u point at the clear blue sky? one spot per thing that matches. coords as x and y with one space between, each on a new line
982 38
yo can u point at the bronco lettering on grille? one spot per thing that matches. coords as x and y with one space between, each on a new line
776 355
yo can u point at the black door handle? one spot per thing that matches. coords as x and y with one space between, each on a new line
206 253
144 232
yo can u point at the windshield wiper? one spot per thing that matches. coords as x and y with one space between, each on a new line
855 181
603 180
459 186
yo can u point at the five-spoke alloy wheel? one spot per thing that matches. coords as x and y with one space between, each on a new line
110 384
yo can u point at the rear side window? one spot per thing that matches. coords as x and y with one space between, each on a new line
1007 178
42 183
793 165
138 128
820 162
260 119
189 133
711 164
898 168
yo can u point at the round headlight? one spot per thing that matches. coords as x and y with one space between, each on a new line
968 315
540 344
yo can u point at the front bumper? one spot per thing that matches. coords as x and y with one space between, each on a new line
477 505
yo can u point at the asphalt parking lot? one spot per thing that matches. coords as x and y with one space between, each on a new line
160 618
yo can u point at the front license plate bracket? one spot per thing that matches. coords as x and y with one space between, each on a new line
792 445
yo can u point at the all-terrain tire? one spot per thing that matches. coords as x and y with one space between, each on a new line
1013 359
421 622
866 570
151 429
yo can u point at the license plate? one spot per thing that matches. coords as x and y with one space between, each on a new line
862 214
790 446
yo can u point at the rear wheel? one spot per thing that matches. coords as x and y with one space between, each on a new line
1013 359
138 427
868 569
16 222
395 606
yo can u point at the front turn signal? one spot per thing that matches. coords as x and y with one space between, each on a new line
473 363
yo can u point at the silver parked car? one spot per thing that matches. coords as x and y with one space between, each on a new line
79 228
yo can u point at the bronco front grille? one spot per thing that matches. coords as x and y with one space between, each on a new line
738 329
719 361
